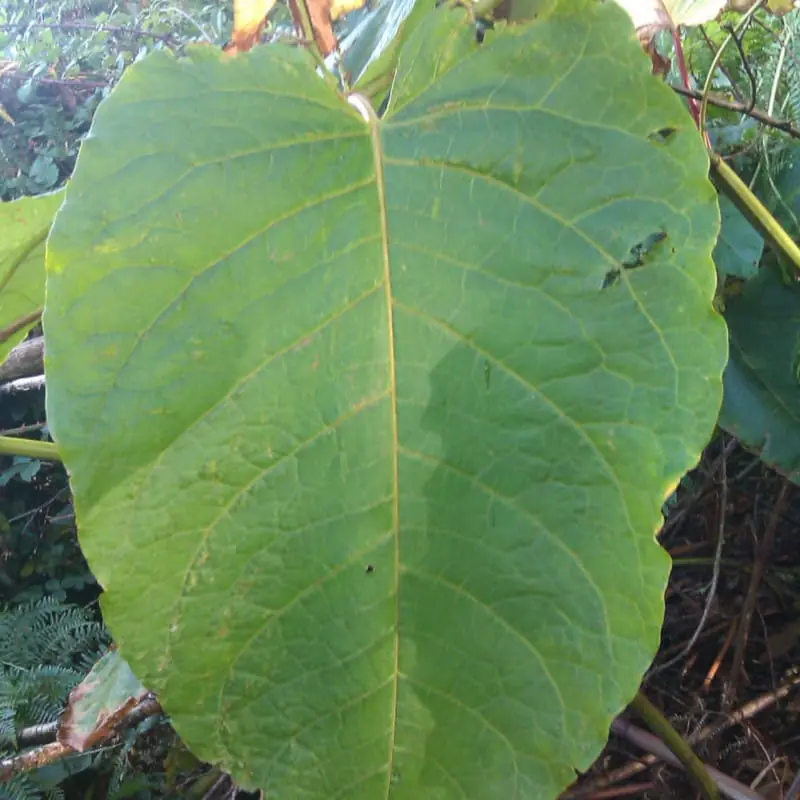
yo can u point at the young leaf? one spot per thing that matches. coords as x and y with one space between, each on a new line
369 423
761 404
24 225
370 51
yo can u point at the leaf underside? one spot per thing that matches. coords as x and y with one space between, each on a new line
367 459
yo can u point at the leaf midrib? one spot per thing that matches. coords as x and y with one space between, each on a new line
380 185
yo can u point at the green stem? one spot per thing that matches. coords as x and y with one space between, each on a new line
754 210
377 87
20 324
10 446
661 726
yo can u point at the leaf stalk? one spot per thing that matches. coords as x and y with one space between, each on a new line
754 210
46 451
661 726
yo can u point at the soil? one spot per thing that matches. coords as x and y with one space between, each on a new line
729 660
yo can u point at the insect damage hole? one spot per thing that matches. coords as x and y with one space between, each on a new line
638 256
662 135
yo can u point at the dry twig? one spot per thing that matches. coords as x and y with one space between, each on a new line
729 786
743 108
751 599
746 712
55 751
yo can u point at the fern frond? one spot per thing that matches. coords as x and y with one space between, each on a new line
46 648
43 632
20 787
792 69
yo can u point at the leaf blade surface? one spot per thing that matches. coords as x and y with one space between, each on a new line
373 428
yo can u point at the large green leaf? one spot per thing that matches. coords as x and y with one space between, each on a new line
367 459
24 225
762 380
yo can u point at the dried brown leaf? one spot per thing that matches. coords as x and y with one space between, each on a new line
249 18
321 22
99 703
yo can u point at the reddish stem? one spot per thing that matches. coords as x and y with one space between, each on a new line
693 107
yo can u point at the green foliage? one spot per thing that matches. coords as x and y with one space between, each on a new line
364 419
38 153
39 552
25 787
49 634
66 58
784 193
793 68
762 386
26 223
46 648
41 556
739 247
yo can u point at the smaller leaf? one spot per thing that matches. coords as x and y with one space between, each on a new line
26 93
100 703
44 171
739 246
29 469
24 225
761 404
